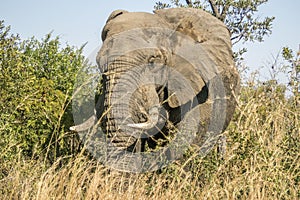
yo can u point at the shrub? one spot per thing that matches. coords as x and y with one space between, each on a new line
36 81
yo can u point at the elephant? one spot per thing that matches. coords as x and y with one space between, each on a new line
170 70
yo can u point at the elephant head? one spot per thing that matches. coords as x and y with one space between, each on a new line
173 68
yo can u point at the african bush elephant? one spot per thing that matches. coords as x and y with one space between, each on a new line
162 72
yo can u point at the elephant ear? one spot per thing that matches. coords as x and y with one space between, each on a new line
211 51
203 28
184 82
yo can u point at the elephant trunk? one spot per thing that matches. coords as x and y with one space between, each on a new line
131 104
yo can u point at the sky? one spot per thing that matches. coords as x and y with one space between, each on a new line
78 22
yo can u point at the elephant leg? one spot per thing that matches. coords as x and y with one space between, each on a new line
222 143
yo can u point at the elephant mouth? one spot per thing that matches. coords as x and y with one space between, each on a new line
152 119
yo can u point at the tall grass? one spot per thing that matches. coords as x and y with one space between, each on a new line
262 161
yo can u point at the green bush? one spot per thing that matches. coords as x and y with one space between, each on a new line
36 81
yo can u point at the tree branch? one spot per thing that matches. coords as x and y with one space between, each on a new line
214 8
237 38
224 12
189 2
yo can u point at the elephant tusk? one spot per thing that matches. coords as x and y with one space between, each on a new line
85 125
145 125
153 119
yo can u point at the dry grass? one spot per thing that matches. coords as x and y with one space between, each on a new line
262 162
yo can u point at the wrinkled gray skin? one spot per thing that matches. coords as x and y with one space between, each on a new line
151 104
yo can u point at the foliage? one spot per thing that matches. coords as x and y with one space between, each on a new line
36 81
293 69
238 15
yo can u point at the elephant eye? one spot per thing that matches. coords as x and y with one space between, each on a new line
155 59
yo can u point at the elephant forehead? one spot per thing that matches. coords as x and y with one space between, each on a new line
132 20
135 43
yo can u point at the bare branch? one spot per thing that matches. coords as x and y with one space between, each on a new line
189 2
241 35
237 38
224 12
214 8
